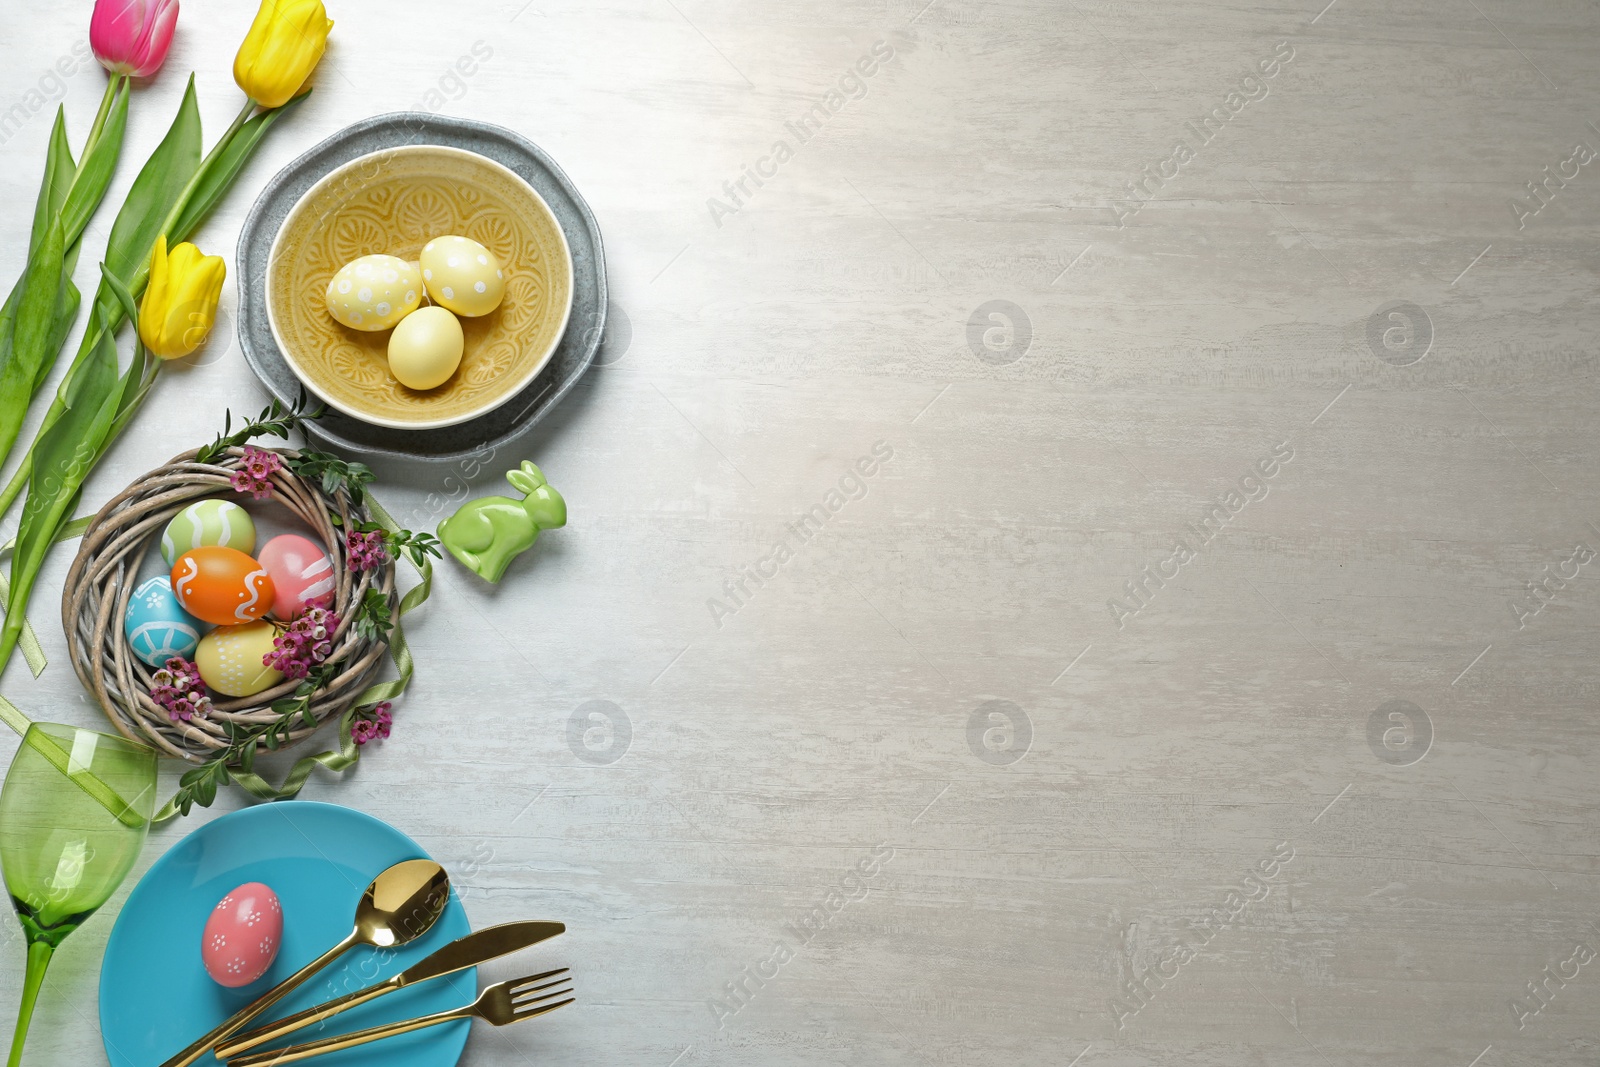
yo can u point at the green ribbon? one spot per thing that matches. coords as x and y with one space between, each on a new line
348 752
28 643
32 651
12 717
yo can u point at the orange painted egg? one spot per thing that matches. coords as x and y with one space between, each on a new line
222 585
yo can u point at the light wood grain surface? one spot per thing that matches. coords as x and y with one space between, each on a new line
1006 805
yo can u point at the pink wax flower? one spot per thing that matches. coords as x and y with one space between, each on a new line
177 688
366 550
132 36
374 728
303 644
255 472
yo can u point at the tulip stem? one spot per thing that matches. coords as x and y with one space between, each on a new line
112 85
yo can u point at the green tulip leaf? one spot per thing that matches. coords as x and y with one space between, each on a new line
225 168
67 302
31 332
119 293
151 199
61 453
59 170
134 386
45 309
63 457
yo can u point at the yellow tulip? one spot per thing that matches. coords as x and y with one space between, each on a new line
283 47
180 301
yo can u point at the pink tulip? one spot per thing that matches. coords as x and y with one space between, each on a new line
132 36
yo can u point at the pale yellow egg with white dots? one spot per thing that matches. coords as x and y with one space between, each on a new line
374 292
463 276
230 659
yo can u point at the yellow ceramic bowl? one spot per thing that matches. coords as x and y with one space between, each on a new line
395 201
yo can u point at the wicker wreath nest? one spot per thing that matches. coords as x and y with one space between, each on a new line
101 582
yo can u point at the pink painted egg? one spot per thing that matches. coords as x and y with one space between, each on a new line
301 573
242 935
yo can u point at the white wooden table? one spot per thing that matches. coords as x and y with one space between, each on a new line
1048 789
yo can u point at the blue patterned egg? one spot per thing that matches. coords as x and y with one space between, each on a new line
157 626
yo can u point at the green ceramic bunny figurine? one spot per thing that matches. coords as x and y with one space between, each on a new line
488 533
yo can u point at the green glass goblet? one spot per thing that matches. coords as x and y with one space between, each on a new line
74 813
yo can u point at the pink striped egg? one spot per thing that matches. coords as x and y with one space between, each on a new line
242 935
301 573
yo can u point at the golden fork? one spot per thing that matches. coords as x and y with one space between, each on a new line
506 1002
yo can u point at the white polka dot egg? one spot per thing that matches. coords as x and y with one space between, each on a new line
374 292
232 659
462 276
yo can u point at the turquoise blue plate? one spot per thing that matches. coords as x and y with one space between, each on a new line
155 997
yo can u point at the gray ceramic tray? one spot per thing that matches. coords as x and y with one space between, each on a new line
494 429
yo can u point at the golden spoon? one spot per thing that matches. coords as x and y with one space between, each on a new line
400 905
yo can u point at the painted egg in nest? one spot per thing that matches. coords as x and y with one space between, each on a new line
374 292
208 522
157 626
222 585
302 574
232 659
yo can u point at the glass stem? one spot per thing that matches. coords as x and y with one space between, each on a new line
39 953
